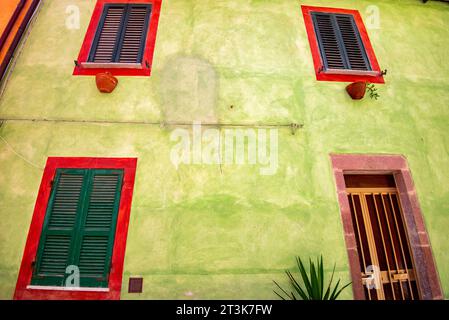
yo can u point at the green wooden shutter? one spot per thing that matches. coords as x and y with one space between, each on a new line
79 227
97 233
341 46
59 230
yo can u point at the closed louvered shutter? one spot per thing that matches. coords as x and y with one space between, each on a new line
121 34
339 40
79 227
58 233
109 34
134 35
98 231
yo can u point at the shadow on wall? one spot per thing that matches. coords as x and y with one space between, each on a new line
189 91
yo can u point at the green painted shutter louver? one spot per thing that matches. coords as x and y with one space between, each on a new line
54 253
121 34
339 40
97 235
79 227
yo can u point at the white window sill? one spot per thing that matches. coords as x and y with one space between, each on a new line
77 289
352 72
90 65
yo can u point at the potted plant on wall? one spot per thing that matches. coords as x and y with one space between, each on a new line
358 89
106 82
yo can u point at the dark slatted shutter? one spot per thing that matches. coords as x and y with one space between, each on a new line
355 52
134 35
108 34
121 34
329 45
79 227
339 40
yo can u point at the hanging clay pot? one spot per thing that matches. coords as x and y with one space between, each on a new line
356 90
106 82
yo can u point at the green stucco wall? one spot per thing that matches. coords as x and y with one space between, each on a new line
227 231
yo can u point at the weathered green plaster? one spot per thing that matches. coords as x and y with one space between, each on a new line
227 231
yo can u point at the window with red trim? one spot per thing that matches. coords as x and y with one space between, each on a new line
120 38
340 45
79 227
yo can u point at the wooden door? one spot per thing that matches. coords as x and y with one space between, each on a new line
384 250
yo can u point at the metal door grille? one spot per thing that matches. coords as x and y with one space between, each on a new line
384 250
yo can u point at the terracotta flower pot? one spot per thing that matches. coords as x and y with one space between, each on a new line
106 82
356 90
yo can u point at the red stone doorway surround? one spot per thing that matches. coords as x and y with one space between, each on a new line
428 280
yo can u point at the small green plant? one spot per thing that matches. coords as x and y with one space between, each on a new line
371 88
313 283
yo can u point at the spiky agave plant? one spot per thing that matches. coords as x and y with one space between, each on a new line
313 288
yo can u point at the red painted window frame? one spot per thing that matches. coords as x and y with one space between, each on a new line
429 285
314 47
149 45
128 165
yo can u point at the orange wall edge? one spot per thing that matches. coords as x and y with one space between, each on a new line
14 30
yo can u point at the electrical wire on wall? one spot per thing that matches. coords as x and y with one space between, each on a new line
19 155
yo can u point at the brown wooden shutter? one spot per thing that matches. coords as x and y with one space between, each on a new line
108 35
134 37
381 237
